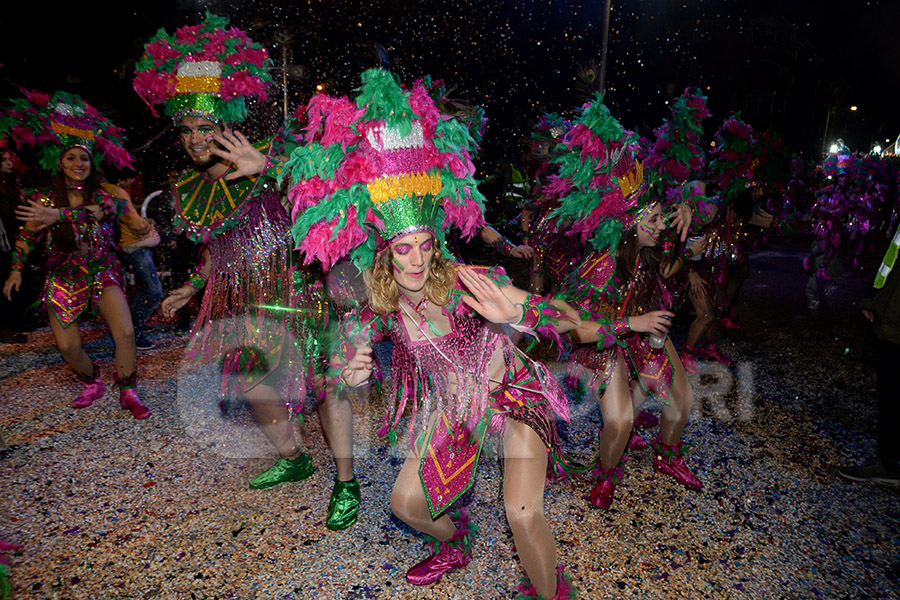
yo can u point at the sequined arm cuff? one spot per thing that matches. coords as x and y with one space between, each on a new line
686 254
621 327
18 260
28 236
196 281
503 246
540 317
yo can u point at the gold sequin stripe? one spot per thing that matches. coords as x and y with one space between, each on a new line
418 184
201 84
69 130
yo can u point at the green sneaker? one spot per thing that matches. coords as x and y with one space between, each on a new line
293 469
343 509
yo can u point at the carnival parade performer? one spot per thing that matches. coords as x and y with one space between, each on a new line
76 221
624 304
830 214
676 161
380 180
731 173
262 312
555 254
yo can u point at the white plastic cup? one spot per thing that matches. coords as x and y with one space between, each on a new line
657 341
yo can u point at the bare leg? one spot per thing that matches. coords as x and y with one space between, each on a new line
68 340
336 415
676 413
706 317
538 277
272 415
618 415
113 308
525 473
409 504
637 399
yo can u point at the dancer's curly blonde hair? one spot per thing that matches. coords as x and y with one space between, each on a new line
382 291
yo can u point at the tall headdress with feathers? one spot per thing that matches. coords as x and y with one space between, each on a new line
731 164
207 70
57 122
377 168
600 186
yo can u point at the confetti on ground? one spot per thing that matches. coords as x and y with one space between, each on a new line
110 507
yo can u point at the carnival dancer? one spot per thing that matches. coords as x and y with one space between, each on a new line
830 212
622 297
677 161
262 314
76 221
555 253
731 172
380 180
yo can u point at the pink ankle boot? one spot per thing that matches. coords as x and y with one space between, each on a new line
129 400
605 486
447 556
712 352
637 442
670 461
93 390
564 588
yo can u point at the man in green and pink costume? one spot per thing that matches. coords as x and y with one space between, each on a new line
262 314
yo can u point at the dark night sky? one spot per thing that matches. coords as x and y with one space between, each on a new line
515 58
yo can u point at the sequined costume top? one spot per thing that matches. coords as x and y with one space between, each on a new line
554 251
76 279
595 290
830 211
444 383
263 311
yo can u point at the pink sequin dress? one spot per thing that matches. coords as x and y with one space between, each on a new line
595 290
447 375
76 279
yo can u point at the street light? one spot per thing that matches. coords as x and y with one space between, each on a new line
832 111
833 149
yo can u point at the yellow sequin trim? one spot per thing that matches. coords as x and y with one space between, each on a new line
419 184
68 130
197 85
631 181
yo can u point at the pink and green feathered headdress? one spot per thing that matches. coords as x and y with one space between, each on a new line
376 169
771 164
677 154
731 164
600 187
55 123
208 70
